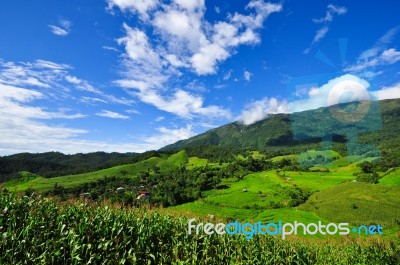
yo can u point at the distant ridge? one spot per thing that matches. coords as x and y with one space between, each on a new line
276 131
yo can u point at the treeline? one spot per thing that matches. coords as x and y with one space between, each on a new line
52 164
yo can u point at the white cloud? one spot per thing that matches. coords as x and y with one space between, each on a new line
380 45
313 92
22 129
183 104
54 78
112 115
132 111
12 101
259 110
390 56
138 47
26 126
159 118
247 75
168 136
205 60
386 57
42 74
320 34
227 75
140 7
62 29
58 31
379 54
21 125
109 48
331 11
342 89
388 92
345 88
92 100
73 79
185 42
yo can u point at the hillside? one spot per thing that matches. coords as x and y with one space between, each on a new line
53 164
305 130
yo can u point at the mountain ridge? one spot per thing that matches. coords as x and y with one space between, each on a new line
305 130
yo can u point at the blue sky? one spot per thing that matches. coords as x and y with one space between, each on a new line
135 75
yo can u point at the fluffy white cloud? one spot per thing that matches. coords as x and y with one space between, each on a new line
181 103
206 59
23 128
346 88
62 29
20 123
388 92
112 115
185 42
259 110
168 136
390 56
138 47
343 89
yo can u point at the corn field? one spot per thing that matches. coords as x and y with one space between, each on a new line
42 231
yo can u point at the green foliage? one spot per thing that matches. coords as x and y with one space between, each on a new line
39 231
368 177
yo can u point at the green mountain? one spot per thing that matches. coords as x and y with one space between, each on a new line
371 127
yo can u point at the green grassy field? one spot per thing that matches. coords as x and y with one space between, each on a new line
314 181
40 183
179 159
392 179
358 203
196 162
265 182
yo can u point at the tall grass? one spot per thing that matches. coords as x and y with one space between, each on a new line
41 231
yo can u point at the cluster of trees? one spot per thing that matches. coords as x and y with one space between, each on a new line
368 173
